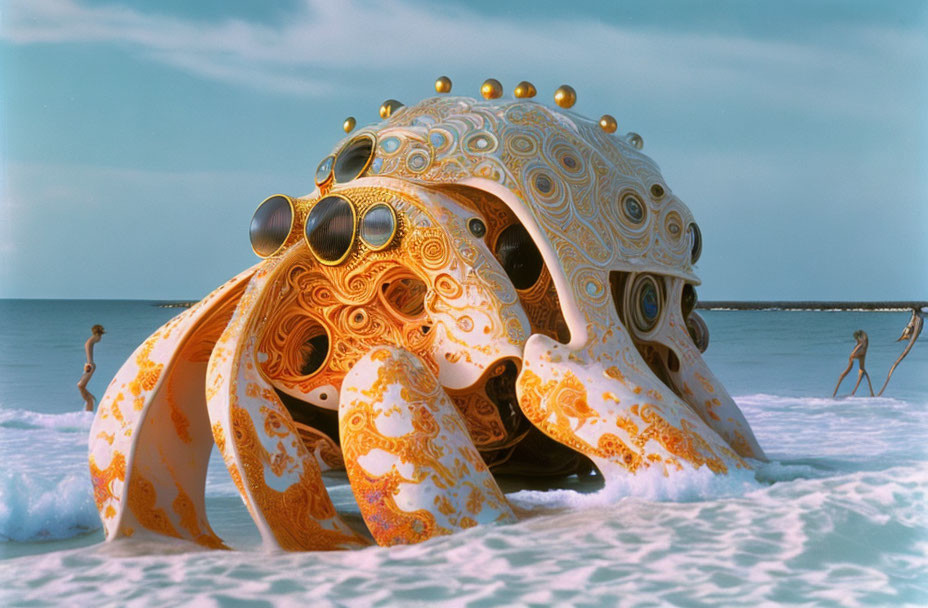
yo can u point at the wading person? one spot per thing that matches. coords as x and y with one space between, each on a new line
859 353
96 334
910 333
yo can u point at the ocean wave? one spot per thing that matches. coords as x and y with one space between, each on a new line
766 399
688 485
34 508
69 422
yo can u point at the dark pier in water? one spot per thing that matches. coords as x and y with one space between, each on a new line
808 305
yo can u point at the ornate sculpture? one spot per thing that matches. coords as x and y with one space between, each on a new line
472 287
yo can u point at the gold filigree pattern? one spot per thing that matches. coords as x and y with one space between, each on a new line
402 441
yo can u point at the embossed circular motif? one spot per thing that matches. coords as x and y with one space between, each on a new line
480 143
418 161
633 209
674 225
521 145
390 145
438 139
543 183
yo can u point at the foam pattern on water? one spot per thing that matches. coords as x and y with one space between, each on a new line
846 540
836 518
34 508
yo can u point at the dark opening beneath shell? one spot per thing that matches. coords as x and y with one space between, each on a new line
519 256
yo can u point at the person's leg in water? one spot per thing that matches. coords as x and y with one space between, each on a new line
850 364
86 395
860 375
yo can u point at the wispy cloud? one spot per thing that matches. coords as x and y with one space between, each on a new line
325 45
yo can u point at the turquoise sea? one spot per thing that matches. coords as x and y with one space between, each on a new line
838 517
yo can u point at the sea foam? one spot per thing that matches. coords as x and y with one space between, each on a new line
36 508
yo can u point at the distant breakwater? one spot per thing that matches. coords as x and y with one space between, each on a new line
808 305
746 305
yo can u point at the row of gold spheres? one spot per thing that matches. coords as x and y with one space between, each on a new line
565 97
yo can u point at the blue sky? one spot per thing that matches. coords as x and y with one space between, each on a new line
137 138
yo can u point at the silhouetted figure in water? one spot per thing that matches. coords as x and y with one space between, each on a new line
90 367
859 353
910 333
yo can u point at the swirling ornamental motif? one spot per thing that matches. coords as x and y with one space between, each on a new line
472 287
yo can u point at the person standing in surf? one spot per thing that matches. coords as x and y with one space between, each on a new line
859 353
96 334
911 333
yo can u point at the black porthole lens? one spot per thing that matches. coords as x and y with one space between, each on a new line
696 251
330 229
657 191
688 300
699 332
633 208
378 226
270 225
519 256
649 304
354 158
324 170
646 302
477 227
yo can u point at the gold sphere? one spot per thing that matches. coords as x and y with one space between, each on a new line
607 123
524 90
349 124
388 107
565 96
443 85
491 89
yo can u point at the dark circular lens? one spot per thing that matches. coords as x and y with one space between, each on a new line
378 226
354 158
688 300
649 305
696 250
330 229
324 170
633 209
270 225
657 191
698 331
519 256
645 303
477 227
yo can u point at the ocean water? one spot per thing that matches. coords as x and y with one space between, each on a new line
838 517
